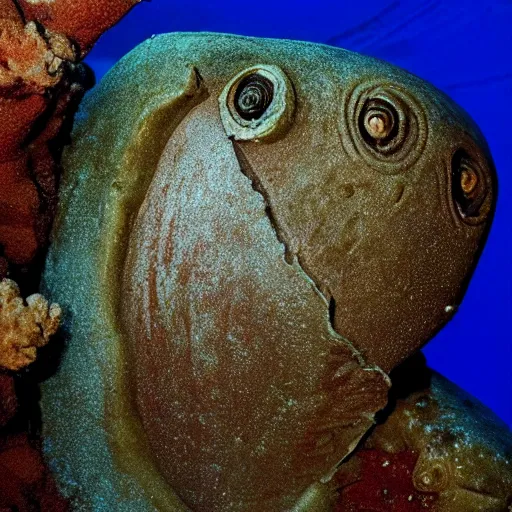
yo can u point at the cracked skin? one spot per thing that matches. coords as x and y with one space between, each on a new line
238 289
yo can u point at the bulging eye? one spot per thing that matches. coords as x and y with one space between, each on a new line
470 189
383 125
253 96
379 122
257 104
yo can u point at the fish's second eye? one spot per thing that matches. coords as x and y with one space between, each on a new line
383 124
469 187
253 96
379 121
379 124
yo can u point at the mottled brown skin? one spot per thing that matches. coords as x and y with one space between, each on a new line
379 235
265 361
245 282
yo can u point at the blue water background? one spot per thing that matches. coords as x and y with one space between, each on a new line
465 49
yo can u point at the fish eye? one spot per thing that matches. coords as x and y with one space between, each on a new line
258 104
253 96
469 187
379 122
383 125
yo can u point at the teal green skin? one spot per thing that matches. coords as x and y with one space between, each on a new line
322 247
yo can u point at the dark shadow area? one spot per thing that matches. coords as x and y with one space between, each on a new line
411 376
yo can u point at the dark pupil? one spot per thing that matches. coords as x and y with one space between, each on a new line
253 96
469 190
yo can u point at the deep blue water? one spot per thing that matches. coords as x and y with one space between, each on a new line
465 49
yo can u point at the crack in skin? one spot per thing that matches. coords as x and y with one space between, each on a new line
293 259
290 257
258 187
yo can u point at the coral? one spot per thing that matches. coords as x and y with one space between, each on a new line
24 328
41 83
25 483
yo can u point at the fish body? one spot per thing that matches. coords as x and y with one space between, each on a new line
251 234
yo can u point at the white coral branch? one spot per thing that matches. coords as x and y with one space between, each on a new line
24 327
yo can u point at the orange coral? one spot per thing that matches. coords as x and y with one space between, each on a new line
24 328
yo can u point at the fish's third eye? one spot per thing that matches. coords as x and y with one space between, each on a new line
469 187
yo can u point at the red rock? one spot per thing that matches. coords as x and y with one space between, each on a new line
38 91
81 20
25 483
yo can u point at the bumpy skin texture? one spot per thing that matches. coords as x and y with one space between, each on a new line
233 300
464 451
457 453
41 82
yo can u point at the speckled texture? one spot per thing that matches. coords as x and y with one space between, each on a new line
463 451
194 269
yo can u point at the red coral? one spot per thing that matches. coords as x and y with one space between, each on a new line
41 82
383 484
25 483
